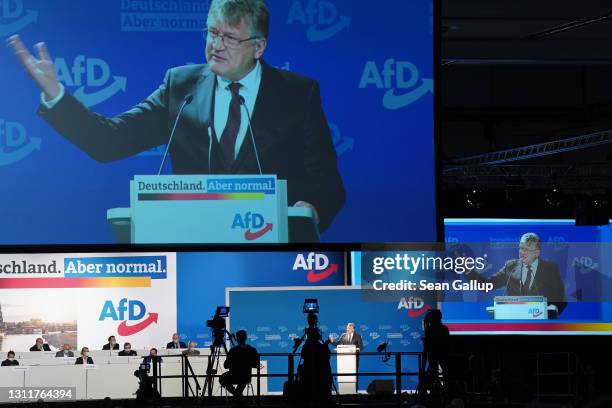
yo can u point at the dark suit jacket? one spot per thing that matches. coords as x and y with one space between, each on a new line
79 360
355 341
547 281
239 361
291 133
171 345
7 362
107 346
45 348
152 359
61 353
124 353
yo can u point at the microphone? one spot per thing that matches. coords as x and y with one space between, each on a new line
242 102
210 136
382 347
186 101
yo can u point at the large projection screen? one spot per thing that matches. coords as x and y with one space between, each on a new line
371 64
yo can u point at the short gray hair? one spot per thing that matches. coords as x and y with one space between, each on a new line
531 238
232 12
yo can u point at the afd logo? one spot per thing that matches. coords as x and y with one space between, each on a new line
341 144
535 312
415 306
91 77
15 144
396 76
317 265
253 223
322 17
557 243
13 17
585 264
128 311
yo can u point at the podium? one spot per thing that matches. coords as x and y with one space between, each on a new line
347 364
210 209
521 308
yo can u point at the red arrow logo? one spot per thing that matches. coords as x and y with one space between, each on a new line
417 313
125 330
250 236
313 276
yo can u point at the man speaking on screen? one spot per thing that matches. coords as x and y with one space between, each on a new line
289 135
529 275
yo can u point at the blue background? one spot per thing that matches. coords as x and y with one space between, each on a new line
280 313
202 278
57 194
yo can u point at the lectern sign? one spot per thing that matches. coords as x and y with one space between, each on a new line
207 209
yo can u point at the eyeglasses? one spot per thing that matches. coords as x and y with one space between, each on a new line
229 41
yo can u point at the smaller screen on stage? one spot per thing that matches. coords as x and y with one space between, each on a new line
504 276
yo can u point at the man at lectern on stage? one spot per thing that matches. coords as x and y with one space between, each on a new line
529 275
349 338
213 106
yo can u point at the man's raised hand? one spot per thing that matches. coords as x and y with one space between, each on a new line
40 69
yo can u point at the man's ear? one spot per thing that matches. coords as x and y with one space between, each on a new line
260 47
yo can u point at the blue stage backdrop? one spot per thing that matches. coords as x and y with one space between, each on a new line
272 317
373 60
202 278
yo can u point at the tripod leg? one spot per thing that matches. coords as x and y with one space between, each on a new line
207 387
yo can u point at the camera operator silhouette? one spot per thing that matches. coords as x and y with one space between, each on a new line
315 371
239 361
436 345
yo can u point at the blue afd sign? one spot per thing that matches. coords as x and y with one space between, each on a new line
90 79
400 79
124 310
15 142
14 17
322 18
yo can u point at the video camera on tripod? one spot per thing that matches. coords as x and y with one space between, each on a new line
311 309
218 325
145 389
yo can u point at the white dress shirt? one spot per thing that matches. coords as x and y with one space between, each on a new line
223 96
50 104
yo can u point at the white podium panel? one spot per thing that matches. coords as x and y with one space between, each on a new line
208 209
112 380
58 376
110 376
347 364
12 376
171 387
520 307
